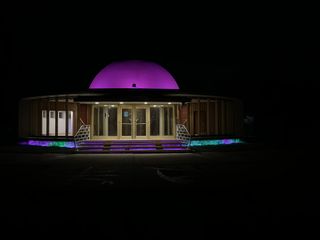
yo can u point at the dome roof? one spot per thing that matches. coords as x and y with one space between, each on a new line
134 74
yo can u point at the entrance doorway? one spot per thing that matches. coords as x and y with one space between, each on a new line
133 121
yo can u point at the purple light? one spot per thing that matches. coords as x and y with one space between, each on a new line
171 145
141 145
44 143
141 149
134 74
227 141
174 149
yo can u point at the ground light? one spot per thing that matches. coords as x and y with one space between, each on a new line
42 143
213 142
71 144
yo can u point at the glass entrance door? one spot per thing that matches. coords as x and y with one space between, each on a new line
105 120
134 122
126 128
140 122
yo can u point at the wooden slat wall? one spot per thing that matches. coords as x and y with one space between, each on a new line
225 117
84 112
24 119
183 118
89 119
30 115
212 117
203 119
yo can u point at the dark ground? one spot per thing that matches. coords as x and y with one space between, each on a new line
232 191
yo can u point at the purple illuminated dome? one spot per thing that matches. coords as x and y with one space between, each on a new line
134 74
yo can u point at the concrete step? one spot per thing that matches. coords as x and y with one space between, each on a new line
131 146
135 150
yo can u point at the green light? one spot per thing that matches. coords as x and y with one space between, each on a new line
214 142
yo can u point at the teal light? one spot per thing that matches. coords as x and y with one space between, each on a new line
214 142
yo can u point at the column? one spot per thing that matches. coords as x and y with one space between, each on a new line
56 115
208 116
48 115
198 116
216 117
67 116
223 118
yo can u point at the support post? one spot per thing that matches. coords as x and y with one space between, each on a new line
198 116
56 116
216 117
223 117
208 116
67 117
48 116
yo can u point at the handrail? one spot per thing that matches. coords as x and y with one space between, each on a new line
183 134
82 122
82 134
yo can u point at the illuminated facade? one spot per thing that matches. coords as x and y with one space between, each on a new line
130 100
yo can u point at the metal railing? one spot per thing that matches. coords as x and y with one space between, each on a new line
82 134
183 134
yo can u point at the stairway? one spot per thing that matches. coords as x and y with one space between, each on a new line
132 146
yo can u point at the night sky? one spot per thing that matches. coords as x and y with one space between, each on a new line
60 52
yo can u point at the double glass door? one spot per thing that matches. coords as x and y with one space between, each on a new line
133 122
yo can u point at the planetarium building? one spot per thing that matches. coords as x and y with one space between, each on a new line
130 101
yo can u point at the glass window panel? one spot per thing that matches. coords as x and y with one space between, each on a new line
141 115
113 121
101 118
141 129
126 115
44 122
70 123
52 124
61 123
95 122
168 120
126 121
126 129
154 121
141 122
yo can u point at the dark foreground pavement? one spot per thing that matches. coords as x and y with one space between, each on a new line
258 191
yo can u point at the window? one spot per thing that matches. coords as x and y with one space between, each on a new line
53 124
44 122
154 121
168 120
